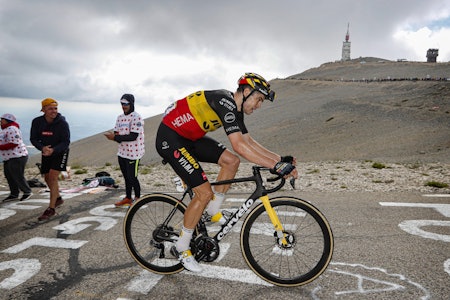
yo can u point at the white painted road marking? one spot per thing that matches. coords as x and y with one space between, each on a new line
443 209
102 211
24 269
413 227
230 274
146 280
75 226
23 204
6 213
385 286
9 209
144 283
45 242
447 266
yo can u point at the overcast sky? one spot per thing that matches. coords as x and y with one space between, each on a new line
162 50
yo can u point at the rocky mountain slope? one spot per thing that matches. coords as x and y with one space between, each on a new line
365 109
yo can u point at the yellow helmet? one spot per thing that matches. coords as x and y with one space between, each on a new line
258 83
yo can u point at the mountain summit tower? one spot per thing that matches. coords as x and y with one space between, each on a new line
346 46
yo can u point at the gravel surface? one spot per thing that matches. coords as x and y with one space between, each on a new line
327 176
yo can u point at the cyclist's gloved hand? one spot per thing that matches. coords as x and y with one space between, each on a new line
283 168
288 158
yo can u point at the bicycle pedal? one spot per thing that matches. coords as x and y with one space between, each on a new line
174 252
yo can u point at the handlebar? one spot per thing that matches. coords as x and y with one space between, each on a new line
277 187
276 178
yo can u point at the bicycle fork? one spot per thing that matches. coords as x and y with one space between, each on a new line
275 220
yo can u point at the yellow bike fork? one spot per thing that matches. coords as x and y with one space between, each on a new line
274 219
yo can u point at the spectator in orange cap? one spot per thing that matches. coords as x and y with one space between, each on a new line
50 134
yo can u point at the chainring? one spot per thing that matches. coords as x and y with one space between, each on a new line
206 249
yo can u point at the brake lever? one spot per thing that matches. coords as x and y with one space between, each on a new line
292 182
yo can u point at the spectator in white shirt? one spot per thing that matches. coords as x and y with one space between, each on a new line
14 154
129 133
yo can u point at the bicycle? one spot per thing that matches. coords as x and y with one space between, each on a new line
285 240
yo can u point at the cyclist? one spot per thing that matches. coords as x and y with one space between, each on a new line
181 141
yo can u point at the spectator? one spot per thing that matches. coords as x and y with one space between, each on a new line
129 133
14 154
50 134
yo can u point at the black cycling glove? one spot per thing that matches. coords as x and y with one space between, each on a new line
283 168
287 158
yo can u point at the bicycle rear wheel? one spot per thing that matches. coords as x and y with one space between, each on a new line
309 249
151 226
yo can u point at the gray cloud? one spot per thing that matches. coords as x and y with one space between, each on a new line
68 49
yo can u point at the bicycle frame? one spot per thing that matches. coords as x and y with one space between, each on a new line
260 193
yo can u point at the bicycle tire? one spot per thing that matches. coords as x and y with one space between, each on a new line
148 245
311 250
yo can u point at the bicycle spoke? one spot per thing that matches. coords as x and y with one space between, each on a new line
150 229
309 247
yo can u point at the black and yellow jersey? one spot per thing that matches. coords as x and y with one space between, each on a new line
203 111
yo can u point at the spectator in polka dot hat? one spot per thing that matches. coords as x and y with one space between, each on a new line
129 133
14 154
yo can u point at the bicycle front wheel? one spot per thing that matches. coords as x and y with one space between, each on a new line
151 227
305 256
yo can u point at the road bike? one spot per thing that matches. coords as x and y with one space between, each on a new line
285 240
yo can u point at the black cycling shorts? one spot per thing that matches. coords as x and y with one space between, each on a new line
184 155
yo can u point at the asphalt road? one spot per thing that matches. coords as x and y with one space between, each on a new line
387 246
